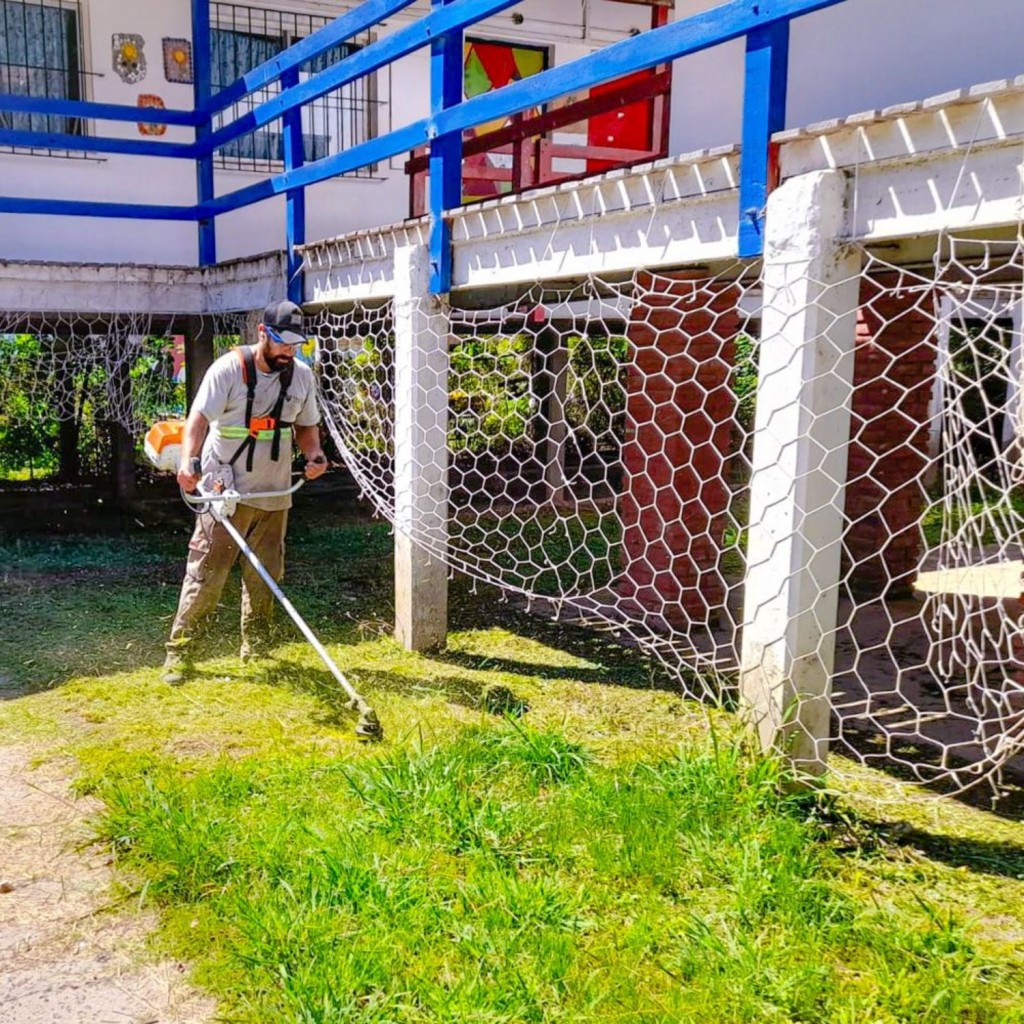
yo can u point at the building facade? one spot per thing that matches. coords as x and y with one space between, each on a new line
857 55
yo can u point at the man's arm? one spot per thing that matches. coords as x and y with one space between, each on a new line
196 427
308 440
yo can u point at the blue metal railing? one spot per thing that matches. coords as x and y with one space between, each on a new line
764 23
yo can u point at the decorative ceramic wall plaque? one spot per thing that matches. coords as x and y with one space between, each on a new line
149 100
129 60
178 61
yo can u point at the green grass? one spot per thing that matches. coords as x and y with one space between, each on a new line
506 876
613 854
548 554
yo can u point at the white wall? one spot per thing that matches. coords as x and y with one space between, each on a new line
859 55
114 179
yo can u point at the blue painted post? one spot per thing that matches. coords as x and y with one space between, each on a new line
295 203
202 58
764 112
445 153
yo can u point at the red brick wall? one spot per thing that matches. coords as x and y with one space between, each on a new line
893 376
680 412
679 415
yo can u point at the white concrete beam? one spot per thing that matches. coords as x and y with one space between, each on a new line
249 283
99 288
667 213
112 288
949 163
359 266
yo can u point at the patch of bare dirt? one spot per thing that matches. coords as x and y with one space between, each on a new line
66 955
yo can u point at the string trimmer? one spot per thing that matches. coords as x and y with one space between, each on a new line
216 495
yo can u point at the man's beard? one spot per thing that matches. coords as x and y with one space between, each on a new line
279 363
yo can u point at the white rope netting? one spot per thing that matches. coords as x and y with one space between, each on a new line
69 380
598 445
66 381
599 451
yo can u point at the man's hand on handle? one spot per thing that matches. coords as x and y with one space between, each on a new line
308 440
189 475
190 472
316 465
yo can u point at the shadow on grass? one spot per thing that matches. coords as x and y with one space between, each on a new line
858 834
854 834
612 674
91 604
980 856
99 620
1006 801
85 625
319 683
616 663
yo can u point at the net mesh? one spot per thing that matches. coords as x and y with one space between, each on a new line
597 442
69 382
599 445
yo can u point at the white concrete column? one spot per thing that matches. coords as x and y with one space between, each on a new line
1012 420
422 330
937 405
801 434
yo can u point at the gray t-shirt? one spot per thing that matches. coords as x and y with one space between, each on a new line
221 399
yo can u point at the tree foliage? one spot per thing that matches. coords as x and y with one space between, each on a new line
61 396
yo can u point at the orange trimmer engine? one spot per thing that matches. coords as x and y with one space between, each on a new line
163 444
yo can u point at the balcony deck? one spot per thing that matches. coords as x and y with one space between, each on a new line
948 164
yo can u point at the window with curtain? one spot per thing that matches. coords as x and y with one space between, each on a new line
40 55
242 38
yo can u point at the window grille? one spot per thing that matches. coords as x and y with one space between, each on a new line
41 55
241 39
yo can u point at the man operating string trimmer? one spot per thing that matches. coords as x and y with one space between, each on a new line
252 403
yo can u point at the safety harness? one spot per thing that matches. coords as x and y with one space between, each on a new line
259 428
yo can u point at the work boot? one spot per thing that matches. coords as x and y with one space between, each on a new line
252 651
257 641
177 669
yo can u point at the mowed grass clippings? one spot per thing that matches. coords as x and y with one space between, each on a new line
604 857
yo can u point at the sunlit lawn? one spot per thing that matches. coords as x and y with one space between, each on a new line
613 853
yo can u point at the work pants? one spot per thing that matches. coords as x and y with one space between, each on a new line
211 554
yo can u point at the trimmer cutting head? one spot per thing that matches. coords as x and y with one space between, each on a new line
368 728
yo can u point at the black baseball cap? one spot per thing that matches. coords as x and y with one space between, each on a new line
285 321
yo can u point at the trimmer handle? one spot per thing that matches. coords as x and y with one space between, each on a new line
201 498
